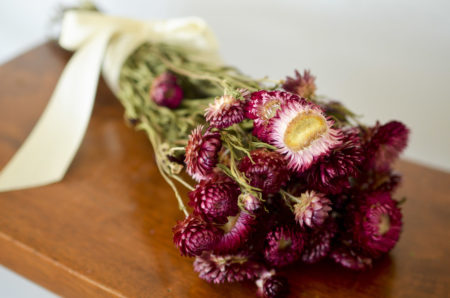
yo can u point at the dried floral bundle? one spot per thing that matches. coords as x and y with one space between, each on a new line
284 177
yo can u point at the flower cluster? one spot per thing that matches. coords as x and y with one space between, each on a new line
285 179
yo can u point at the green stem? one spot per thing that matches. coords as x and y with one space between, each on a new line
290 196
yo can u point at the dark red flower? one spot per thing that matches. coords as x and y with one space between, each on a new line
225 111
214 200
238 228
193 236
377 223
267 171
202 153
283 246
331 173
165 91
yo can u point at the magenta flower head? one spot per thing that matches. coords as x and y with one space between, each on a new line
271 285
377 224
214 200
202 153
193 236
225 111
263 106
312 210
226 268
266 170
302 85
331 173
165 91
303 134
283 246
238 228
385 143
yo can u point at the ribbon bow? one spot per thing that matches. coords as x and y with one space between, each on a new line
101 42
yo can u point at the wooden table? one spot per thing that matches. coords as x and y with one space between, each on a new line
106 229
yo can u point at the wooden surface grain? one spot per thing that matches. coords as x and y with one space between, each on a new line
106 229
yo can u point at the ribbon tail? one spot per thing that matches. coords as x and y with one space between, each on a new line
48 151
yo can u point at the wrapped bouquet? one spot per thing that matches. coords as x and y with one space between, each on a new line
277 175
283 176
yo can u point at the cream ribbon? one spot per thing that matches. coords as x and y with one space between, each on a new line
100 41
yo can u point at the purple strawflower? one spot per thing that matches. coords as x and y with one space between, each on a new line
266 170
202 153
165 91
331 173
236 232
283 246
193 236
377 223
214 200
225 111
238 228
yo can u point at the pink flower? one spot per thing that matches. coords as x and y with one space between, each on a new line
312 210
303 134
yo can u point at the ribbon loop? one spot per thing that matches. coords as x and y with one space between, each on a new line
100 41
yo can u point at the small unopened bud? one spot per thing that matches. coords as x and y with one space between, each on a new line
165 91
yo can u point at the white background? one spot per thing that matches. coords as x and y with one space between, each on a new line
384 59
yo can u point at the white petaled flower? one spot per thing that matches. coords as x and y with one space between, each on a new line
225 111
303 133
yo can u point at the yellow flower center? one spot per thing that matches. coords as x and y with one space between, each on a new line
384 225
303 130
230 223
284 243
